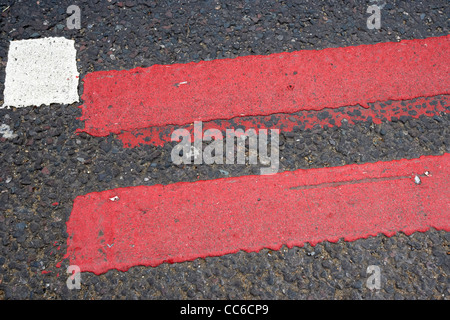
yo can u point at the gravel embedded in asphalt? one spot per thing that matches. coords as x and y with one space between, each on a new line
47 165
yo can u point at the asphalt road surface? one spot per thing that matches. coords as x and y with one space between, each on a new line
47 165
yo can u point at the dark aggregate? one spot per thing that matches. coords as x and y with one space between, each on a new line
47 165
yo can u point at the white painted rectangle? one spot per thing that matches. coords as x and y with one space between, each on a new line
41 71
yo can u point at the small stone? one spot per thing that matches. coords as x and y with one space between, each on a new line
105 146
21 226
357 284
25 181
417 180
326 264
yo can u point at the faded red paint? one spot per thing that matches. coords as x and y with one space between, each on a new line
149 225
377 112
178 94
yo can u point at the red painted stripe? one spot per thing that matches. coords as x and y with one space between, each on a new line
149 225
377 112
261 85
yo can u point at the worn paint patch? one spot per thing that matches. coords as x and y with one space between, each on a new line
6 132
377 113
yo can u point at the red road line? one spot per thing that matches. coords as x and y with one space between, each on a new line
377 112
262 85
149 225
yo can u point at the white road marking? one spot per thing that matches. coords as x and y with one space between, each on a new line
41 71
6 132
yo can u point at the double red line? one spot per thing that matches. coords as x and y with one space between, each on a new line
149 225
